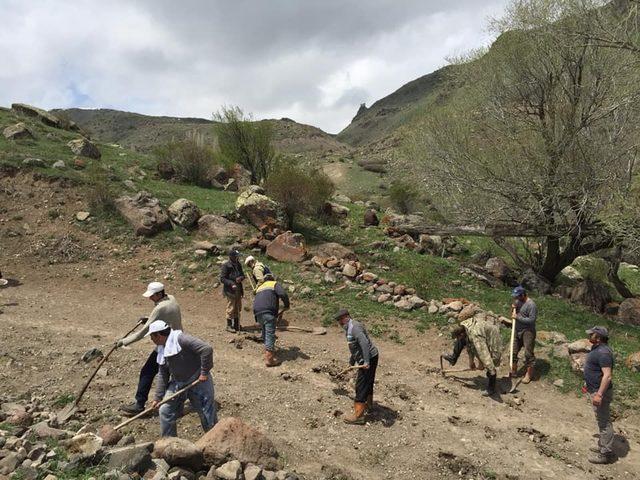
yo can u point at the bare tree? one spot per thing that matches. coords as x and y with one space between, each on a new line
542 136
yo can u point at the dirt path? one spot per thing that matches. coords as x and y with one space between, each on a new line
425 427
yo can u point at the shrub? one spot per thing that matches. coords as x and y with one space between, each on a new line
403 196
245 142
100 194
299 189
190 160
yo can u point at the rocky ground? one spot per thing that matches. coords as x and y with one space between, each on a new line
424 425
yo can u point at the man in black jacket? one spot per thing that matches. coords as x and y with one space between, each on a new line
231 277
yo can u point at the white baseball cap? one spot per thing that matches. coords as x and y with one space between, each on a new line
152 288
157 326
248 260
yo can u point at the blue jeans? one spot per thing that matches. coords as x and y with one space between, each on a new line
202 400
268 322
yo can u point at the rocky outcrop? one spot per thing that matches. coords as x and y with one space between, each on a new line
288 247
261 211
332 249
498 268
333 210
43 116
144 213
184 212
84 148
535 283
231 439
220 227
629 311
18 131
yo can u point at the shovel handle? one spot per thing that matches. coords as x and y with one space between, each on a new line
104 359
348 369
168 399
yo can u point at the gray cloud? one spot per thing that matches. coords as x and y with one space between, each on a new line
311 61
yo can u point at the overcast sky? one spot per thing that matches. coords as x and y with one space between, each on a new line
311 60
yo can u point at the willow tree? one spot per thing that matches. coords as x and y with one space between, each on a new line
542 135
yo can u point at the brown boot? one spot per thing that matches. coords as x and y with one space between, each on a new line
514 371
358 414
529 375
270 359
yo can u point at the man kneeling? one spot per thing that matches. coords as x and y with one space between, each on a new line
182 359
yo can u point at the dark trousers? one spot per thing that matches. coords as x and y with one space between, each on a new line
526 339
365 380
147 374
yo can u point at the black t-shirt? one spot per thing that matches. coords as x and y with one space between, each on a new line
600 356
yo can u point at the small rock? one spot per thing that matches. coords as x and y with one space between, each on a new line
83 446
230 470
43 431
558 383
580 346
252 472
59 165
133 458
109 435
84 147
82 216
33 162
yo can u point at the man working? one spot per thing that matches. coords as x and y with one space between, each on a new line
182 359
266 310
258 271
597 378
365 354
483 338
167 309
525 313
231 277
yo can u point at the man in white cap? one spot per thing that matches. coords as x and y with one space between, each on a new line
167 309
182 359
257 270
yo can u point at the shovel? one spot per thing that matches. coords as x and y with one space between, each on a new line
67 412
150 409
348 369
313 331
443 372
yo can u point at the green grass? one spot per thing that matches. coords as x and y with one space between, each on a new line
63 400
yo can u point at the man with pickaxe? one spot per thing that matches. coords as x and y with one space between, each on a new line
266 308
364 354
257 272
167 309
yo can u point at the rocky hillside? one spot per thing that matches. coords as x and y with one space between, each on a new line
143 132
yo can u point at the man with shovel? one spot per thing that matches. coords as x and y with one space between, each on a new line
182 360
167 309
257 271
483 338
365 354
525 313
266 308
231 277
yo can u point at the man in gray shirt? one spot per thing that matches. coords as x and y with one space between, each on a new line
167 309
182 360
365 354
525 314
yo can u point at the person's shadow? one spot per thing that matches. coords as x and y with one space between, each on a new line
479 383
621 446
291 354
383 415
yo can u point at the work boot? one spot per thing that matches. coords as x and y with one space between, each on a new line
270 359
449 357
236 325
230 326
514 371
131 409
601 458
528 376
358 414
491 386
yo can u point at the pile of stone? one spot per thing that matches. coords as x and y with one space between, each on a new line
460 309
32 446
391 293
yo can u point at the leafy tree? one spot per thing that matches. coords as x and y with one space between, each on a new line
243 141
542 138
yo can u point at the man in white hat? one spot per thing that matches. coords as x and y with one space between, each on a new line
167 309
257 270
182 359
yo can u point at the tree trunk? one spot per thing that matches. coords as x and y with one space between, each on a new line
613 263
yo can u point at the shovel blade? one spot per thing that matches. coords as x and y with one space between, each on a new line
66 413
319 331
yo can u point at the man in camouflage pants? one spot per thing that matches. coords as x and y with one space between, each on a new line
483 340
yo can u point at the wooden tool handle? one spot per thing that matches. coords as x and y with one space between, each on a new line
353 367
168 399
513 336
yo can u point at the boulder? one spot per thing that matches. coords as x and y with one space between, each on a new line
551 337
17 132
629 311
287 247
580 346
332 249
220 227
498 268
84 148
592 294
109 435
20 419
571 273
83 446
130 459
261 211
184 212
178 452
371 218
10 462
252 472
232 439
334 210
535 283
229 471
467 311
43 431
633 362
350 270
219 175
241 175
144 213
35 112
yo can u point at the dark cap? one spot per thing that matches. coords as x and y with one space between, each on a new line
341 313
602 331
518 291
234 253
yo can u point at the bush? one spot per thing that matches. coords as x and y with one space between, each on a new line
245 142
100 194
190 160
404 197
299 189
